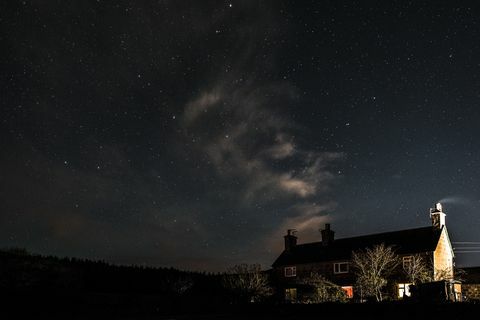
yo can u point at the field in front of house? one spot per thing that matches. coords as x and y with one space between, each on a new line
134 307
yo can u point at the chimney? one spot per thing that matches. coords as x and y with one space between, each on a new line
290 239
327 235
438 216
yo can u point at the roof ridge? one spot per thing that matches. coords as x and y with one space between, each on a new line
367 235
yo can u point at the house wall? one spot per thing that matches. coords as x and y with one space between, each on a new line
345 279
443 257
303 271
326 268
323 268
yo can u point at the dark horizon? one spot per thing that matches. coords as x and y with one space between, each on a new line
193 135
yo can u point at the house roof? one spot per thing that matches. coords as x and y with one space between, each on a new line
404 241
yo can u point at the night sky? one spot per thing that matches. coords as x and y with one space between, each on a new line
194 133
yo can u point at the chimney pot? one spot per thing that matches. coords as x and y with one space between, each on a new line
437 216
327 235
290 239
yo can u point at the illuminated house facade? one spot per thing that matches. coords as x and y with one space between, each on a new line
331 257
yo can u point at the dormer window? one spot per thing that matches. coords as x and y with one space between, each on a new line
340 267
290 272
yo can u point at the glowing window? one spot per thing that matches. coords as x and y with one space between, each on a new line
404 290
348 291
291 294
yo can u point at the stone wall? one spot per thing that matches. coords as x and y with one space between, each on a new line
443 258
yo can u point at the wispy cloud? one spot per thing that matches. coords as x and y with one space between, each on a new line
252 142
281 149
306 218
200 105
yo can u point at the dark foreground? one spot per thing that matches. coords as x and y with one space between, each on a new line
134 307
36 287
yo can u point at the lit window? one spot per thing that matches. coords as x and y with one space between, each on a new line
348 291
407 261
340 267
291 294
290 271
404 290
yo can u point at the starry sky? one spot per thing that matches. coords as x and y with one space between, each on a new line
194 133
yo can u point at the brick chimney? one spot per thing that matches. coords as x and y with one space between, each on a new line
327 235
438 216
290 239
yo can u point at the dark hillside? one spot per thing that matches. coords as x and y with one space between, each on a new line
78 281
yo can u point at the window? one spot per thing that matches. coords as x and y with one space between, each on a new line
340 267
291 294
290 271
457 290
348 291
407 261
404 290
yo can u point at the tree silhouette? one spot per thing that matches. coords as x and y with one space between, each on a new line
247 283
373 265
323 290
417 270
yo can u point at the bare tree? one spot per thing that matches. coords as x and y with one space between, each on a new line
247 283
181 285
373 265
322 290
417 270
443 274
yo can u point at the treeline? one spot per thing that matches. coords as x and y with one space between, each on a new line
22 273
